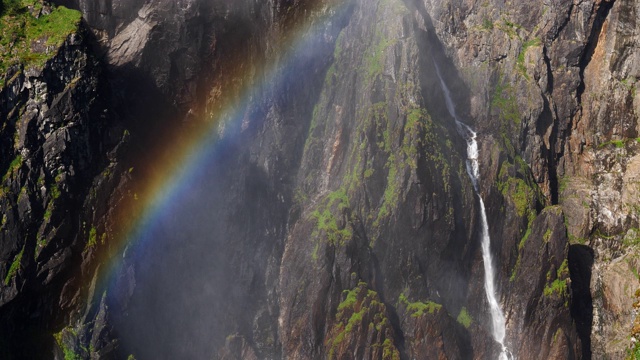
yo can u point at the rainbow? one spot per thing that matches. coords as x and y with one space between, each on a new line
175 165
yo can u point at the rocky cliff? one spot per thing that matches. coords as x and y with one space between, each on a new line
330 213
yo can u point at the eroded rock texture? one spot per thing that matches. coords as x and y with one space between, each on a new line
331 214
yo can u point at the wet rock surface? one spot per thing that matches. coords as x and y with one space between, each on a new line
334 217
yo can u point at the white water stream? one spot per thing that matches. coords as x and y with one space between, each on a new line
498 327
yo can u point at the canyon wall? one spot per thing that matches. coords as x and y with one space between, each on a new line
330 214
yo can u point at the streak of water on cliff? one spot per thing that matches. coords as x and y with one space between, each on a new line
498 327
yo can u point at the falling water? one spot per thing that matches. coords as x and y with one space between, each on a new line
473 169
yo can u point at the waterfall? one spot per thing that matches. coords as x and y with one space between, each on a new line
498 327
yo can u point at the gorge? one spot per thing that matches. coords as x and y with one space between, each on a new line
311 179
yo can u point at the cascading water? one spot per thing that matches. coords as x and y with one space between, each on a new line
498 327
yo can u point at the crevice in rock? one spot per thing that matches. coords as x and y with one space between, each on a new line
601 14
581 260
564 23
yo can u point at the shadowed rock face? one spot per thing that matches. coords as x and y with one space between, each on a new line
334 217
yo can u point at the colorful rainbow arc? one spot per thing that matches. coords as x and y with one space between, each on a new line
179 163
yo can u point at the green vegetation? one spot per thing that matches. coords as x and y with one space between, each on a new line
374 57
327 223
464 318
326 220
419 308
487 24
520 61
54 191
559 285
633 353
558 334
13 269
93 238
69 353
618 144
361 309
16 163
521 244
47 214
509 27
519 192
632 238
27 40
505 101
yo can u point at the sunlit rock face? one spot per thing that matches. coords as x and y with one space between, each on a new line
309 187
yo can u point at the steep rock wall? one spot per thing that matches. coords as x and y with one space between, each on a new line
340 204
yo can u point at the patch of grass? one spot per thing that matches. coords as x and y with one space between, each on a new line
521 244
54 191
618 144
13 269
360 304
632 238
27 40
16 163
374 57
520 60
487 24
419 308
68 352
504 100
93 237
559 285
47 214
464 318
327 223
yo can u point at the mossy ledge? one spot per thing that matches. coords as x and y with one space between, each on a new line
32 31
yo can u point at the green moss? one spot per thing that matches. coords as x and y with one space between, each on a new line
389 350
13 269
54 191
464 318
632 237
504 100
69 353
521 245
22 31
350 299
509 27
419 308
374 56
520 61
547 235
559 285
93 238
15 165
326 221
47 214
519 194
360 304
487 24
618 144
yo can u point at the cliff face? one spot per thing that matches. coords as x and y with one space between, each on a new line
332 216
55 143
567 72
